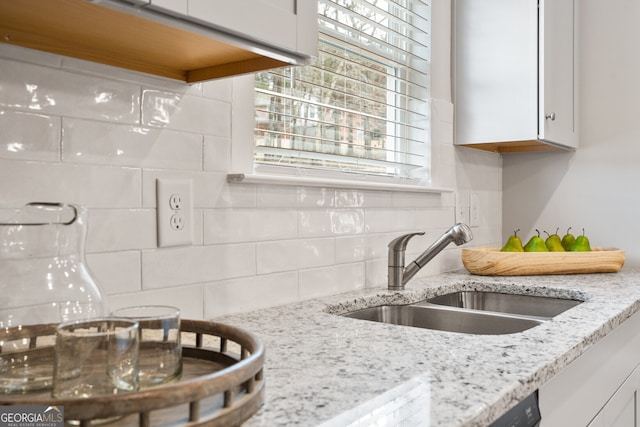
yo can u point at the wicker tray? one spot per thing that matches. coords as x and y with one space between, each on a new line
222 384
492 262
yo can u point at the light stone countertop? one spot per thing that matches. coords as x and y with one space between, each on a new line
326 370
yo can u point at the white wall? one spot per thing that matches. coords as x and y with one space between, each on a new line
596 187
85 133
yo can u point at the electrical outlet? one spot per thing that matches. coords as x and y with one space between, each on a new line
462 207
174 212
474 202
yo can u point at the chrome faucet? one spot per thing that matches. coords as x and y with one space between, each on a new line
399 275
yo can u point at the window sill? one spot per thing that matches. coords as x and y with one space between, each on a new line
333 183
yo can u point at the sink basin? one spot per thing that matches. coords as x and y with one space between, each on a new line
471 312
444 318
530 305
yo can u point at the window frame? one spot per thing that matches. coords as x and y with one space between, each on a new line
243 144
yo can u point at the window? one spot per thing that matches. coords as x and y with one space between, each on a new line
362 108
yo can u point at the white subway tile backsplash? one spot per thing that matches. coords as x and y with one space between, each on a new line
391 220
186 113
29 136
121 229
116 272
330 222
246 294
350 249
88 185
293 196
168 267
287 255
87 141
100 136
278 256
221 89
55 91
248 225
187 298
217 154
331 280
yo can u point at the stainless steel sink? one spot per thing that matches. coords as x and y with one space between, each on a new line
445 319
471 312
530 305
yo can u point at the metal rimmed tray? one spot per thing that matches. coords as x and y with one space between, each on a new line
222 384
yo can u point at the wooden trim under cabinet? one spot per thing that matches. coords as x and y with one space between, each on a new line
533 146
89 31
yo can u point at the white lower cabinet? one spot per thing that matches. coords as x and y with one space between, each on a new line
600 388
621 409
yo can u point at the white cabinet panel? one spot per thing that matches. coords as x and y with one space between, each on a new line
514 65
176 6
597 389
558 60
272 21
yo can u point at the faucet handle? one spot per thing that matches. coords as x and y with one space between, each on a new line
400 243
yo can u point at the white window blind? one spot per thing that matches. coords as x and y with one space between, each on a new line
362 107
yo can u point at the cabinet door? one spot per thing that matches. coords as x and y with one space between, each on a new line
496 70
171 6
558 119
270 21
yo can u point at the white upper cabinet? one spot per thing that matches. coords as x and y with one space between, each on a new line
515 74
283 24
189 40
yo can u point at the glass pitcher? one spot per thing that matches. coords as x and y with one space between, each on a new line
44 280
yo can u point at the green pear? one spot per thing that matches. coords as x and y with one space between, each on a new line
514 244
581 244
567 240
536 244
553 242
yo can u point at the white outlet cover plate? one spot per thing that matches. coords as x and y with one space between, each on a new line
167 191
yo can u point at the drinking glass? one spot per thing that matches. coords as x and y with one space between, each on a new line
96 357
160 359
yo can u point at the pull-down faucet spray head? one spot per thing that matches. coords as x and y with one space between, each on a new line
399 275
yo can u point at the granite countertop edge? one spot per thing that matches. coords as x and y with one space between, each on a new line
345 370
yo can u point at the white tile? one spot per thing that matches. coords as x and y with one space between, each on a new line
318 223
286 255
346 198
417 200
376 273
186 112
390 220
248 225
187 298
217 154
116 272
246 294
196 264
86 141
272 257
377 199
54 91
29 136
220 89
350 249
121 229
331 280
294 196
316 252
91 186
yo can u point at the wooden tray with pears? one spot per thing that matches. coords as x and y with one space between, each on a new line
554 255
